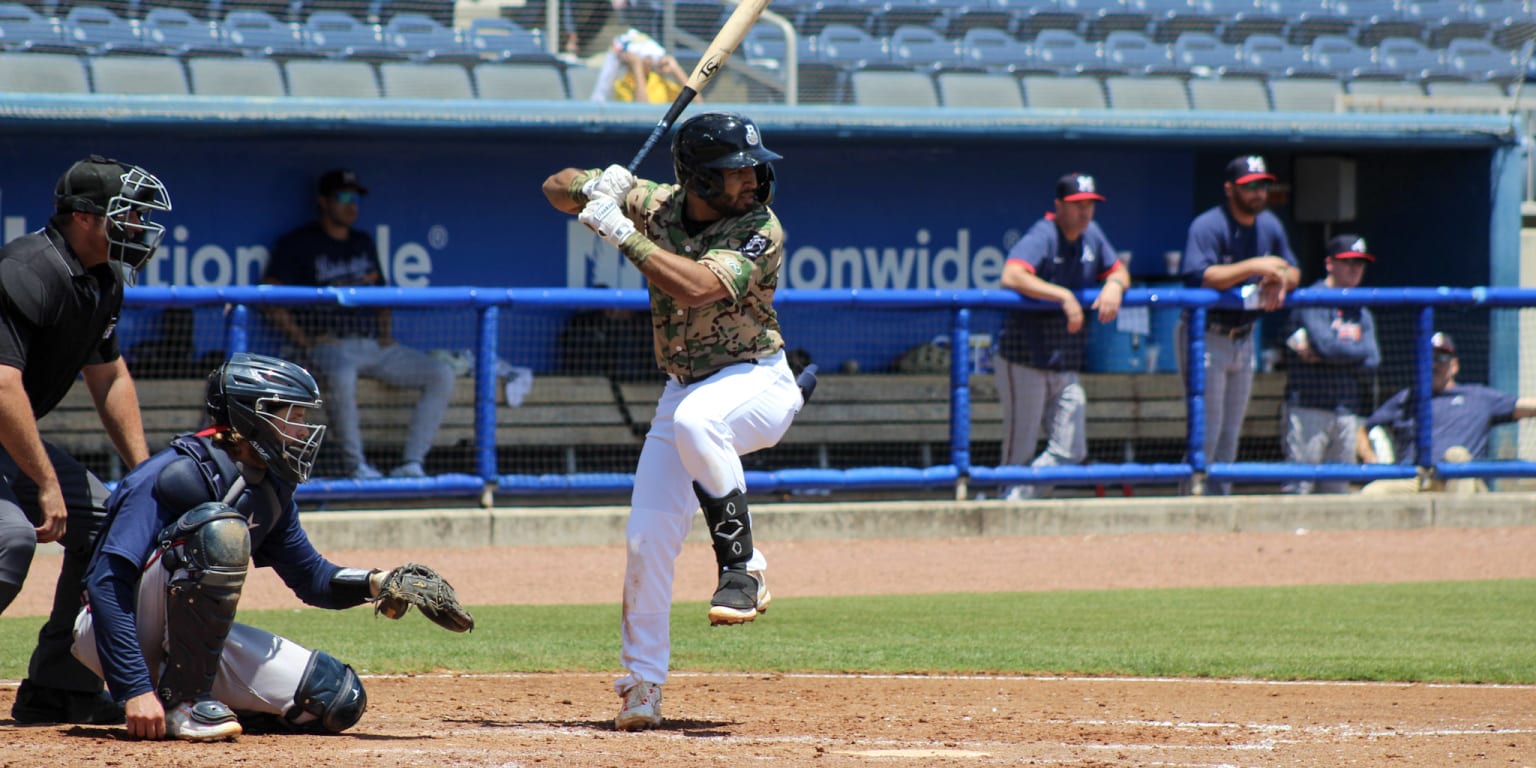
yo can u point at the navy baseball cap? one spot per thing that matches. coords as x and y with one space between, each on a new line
341 178
1248 168
1441 343
1348 247
1077 186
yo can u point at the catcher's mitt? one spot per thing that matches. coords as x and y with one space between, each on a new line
418 585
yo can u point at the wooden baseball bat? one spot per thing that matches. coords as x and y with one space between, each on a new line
720 49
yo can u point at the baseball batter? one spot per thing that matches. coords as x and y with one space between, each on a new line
711 250
1038 383
169 567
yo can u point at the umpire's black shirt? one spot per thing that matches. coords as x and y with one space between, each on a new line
56 315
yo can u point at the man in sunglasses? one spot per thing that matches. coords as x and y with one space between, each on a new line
1238 243
1461 417
341 343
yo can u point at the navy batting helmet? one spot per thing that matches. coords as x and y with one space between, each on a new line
255 396
709 143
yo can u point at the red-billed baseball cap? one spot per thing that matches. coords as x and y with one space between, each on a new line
1349 247
1441 342
1248 168
1077 186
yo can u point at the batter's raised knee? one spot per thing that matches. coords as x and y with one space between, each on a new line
330 697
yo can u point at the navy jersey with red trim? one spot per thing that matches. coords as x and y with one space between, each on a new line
1217 238
1040 339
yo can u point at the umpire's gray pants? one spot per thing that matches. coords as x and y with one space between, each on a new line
1319 436
342 361
1033 400
1228 385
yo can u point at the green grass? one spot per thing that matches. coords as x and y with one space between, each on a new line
1449 632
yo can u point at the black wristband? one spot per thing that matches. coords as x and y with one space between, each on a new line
350 586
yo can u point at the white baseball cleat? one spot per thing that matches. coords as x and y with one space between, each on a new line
642 708
201 720
741 596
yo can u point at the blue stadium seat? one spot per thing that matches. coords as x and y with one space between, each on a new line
1032 18
994 50
1340 56
440 11
1310 19
1445 20
101 31
1066 53
849 47
979 15
260 33
1245 24
177 31
1185 17
1409 58
504 40
764 42
1101 17
423 38
340 35
1198 51
701 18
891 15
824 13
1273 56
1377 20
1135 53
1481 60
924 48
1510 22
23 29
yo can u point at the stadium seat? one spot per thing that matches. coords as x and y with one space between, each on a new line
259 33
700 18
764 43
843 13
286 11
421 37
892 88
957 23
1199 52
23 29
22 72
1056 92
523 81
1273 56
340 35
1444 21
1136 53
425 80
1163 92
99 31
1305 94
891 15
177 31
1510 22
1181 18
1340 56
1066 53
1408 58
1238 94
1377 20
326 78
1245 24
993 49
924 48
1102 17
1480 60
440 11
504 40
849 47
982 90
138 75
241 76
1310 19
1032 18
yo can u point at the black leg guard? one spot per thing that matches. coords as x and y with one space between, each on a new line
212 543
329 691
730 527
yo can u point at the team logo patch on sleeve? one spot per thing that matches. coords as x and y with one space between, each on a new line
755 247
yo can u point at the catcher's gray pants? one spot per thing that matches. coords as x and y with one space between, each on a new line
1318 436
258 672
1228 385
1034 399
343 360
85 499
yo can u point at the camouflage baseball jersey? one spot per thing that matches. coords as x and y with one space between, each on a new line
745 252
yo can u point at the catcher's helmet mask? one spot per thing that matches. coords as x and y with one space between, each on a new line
713 141
105 187
255 395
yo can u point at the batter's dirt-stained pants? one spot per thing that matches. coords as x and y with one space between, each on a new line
699 434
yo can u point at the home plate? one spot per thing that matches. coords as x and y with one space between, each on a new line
912 753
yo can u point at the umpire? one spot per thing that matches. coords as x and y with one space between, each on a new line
61 290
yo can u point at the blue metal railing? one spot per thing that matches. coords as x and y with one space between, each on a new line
489 304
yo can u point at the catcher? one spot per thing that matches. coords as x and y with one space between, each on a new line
182 529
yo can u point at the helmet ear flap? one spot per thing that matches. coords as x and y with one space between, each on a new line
216 401
765 183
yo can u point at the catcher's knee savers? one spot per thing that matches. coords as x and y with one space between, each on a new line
206 552
730 527
331 692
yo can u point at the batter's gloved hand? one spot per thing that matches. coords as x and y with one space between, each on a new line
605 216
418 585
615 182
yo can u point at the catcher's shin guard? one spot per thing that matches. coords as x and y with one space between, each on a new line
330 697
730 527
207 552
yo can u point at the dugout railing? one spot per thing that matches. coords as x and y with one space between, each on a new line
1485 317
